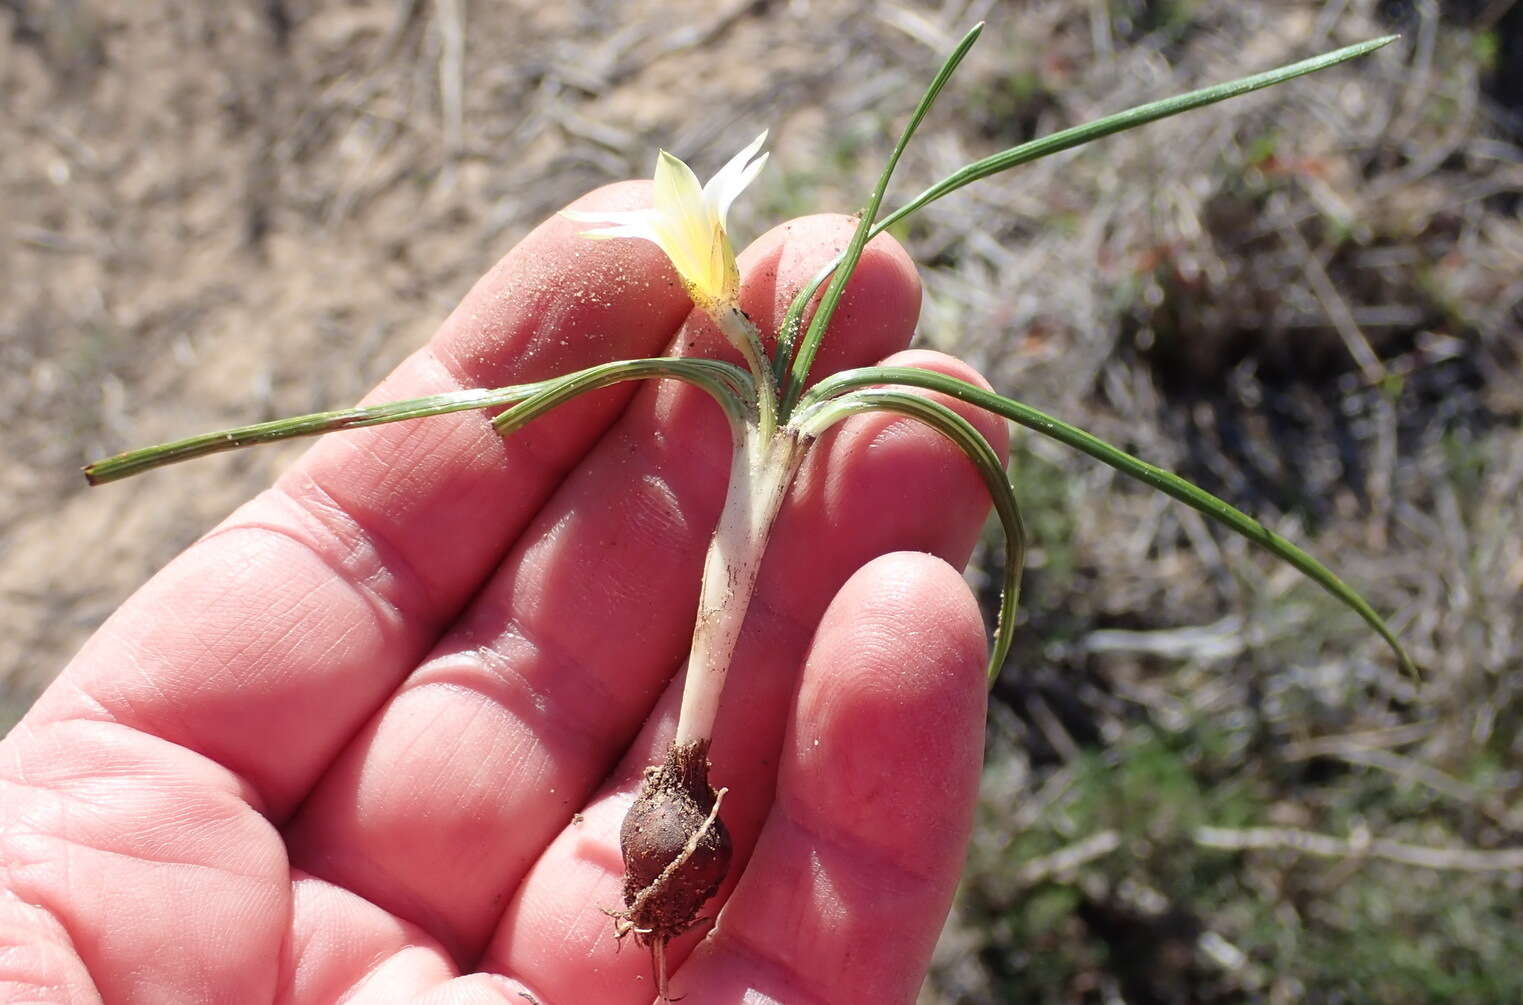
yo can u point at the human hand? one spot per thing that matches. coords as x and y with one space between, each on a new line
378 729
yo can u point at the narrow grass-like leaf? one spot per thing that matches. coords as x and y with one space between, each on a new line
726 383
143 459
735 381
791 373
1057 142
985 461
1164 481
1066 139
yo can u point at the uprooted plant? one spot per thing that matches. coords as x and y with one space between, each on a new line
675 846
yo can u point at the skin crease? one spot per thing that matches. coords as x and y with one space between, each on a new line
373 736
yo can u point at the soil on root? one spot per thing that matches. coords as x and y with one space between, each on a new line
676 849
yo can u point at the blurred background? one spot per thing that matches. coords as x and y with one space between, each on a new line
1206 782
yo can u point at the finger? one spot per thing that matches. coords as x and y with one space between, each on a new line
269 642
523 708
876 484
140 860
857 863
39 958
343 948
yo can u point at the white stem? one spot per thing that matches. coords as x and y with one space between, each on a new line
759 477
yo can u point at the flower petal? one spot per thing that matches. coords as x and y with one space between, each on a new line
732 179
613 217
629 230
724 272
687 222
685 225
642 223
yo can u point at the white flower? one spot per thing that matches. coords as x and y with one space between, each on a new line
688 223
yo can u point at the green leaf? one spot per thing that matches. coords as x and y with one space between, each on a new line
1140 115
726 383
985 461
143 459
1025 153
722 379
791 373
1164 481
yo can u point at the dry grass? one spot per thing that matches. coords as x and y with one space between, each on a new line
1307 300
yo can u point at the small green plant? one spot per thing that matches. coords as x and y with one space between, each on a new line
676 849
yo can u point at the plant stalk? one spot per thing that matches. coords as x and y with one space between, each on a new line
742 334
760 473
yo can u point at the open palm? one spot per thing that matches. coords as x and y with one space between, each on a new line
373 736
